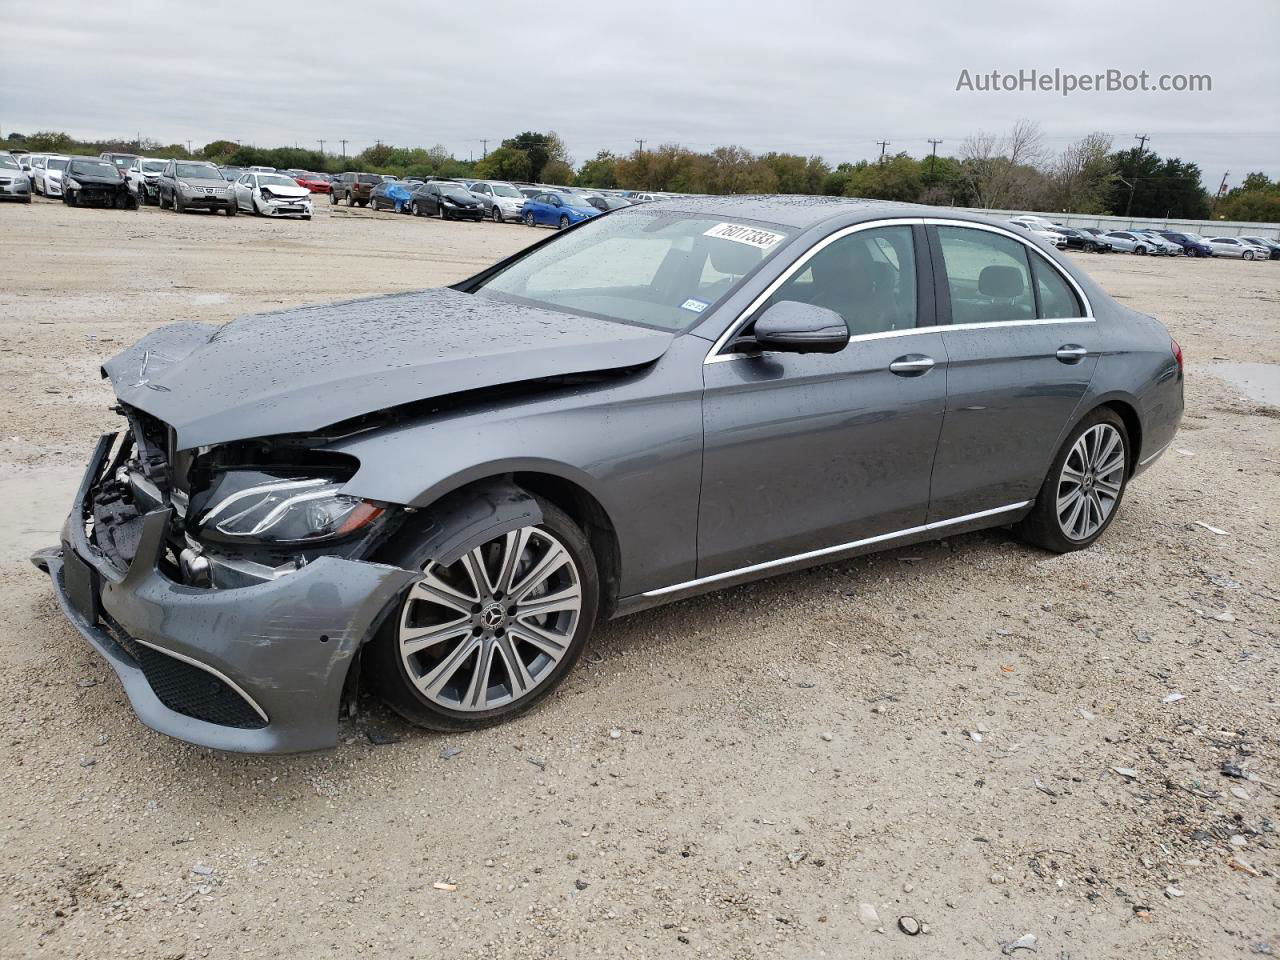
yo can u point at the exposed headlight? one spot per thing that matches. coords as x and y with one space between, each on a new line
73 183
283 511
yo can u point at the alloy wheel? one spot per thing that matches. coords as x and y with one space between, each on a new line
490 628
1091 481
497 214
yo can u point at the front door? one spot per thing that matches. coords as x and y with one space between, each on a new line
807 451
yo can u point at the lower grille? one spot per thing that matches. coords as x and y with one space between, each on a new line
187 689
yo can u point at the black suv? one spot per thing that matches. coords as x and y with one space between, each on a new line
354 187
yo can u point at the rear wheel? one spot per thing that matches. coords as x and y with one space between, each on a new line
1086 483
488 636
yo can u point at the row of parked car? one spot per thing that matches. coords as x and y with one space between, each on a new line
1156 243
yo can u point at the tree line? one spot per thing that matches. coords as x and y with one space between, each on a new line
1012 169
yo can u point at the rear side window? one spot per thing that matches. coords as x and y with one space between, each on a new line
988 276
1057 299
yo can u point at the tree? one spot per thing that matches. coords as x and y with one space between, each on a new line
601 172
1080 177
540 149
894 178
1146 186
53 141
557 172
505 163
999 169
1256 200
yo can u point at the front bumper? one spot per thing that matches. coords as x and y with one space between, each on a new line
52 188
207 201
17 189
258 669
293 208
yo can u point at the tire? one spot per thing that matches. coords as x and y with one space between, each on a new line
529 221
333 199
413 209
1248 255
440 211
68 198
488 626
1140 251
363 203
564 222
496 213
178 205
233 208
1067 529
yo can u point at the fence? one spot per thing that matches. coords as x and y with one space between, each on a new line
1206 228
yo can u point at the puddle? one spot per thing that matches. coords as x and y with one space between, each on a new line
1257 381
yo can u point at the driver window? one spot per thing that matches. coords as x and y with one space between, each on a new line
988 276
868 277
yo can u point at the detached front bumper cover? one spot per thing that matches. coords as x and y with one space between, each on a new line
257 669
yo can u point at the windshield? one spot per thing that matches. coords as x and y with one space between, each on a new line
57 164
9 163
275 180
122 159
502 190
576 200
197 171
152 166
1193 237
651 269
454 191
92 168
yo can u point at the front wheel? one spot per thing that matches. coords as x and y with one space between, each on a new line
413 208
496 213
1141 251
491 634
178 205
564 222
333 199
528 220
1086 483
1248 254
233 208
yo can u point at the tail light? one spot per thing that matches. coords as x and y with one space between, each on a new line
1177 353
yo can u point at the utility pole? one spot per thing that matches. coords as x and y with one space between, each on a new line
344 148
484 144
321 142
883 144
1142 139
1218 196
641 145
188 148
933 157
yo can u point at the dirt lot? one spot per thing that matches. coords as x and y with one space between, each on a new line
933 731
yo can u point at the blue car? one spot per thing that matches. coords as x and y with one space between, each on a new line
557 209
390 193
1192 244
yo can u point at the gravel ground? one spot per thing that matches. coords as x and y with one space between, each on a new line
779 770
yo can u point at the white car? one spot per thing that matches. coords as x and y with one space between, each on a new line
1031 220
1237 248
272 195
1133 242
144 179
49 176
1049 238
501 200
1170 248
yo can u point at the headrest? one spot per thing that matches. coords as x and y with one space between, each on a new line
1003 283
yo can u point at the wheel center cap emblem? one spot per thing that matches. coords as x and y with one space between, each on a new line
493 616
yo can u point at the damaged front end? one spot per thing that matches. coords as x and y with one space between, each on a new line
228 586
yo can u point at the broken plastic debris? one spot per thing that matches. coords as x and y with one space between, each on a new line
1025 942
1127 772
1173 698
447 887
1211 528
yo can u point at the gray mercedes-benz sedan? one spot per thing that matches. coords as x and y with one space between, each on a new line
442 492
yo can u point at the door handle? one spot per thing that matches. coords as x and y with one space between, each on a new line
911 365
1072 353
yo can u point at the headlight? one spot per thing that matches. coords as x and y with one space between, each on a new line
252 507
185 187
73 183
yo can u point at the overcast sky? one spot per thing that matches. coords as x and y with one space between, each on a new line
828 78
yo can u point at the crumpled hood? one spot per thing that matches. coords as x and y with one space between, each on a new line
299 370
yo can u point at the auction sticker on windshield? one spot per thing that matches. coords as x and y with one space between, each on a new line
752 236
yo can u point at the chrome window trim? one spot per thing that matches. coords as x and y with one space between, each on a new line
715 356
838 548
207 669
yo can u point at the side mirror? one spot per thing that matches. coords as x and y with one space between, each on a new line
793 327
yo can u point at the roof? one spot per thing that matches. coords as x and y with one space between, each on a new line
803 210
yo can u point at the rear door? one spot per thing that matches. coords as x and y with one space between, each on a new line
1022 346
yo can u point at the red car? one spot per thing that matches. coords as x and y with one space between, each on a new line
315 182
